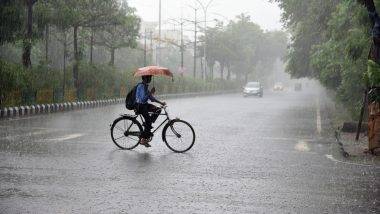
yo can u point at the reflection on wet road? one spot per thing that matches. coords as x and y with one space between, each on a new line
251 155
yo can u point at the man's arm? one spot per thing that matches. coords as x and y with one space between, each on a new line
153 99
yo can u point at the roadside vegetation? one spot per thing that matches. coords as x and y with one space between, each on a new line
330 42
58 51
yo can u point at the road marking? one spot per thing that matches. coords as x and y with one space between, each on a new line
281 138
302 146
349 163
19 118
67 137
319 123
27 134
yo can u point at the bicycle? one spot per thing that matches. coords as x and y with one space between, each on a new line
178 135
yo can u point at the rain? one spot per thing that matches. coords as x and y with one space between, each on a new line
189 106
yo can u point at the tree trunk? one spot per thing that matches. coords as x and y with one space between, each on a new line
91 44
238 76
46 42
64 66
76 61
202 70
246 77
221 71
27 42
212 72
228 72
112 60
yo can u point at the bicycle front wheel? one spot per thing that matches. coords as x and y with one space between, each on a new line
125 133
178 135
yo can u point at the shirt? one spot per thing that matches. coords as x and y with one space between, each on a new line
142 94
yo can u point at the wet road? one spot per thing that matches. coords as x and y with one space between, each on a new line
252 155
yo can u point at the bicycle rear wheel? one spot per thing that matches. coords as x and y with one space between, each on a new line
178 135
125 132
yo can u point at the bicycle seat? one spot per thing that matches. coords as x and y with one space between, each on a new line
130 115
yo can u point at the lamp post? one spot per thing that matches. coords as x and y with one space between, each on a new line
158 60
181 45
195 22
195 43
205 8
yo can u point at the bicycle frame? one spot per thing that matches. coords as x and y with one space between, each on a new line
162 123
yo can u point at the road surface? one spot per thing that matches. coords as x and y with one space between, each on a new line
252 155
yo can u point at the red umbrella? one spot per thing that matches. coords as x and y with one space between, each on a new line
154 71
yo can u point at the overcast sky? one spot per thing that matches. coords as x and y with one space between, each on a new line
266 14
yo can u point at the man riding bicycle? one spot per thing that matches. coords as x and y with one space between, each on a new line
148 111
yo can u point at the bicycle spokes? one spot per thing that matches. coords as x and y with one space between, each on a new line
125 133
180 136
174 131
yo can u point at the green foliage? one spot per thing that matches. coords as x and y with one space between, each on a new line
12 76
104 79
42 76
242 44
372 76
16 78
11 20
66 30
122 33
330 42
306 21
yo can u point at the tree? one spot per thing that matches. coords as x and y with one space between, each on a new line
241 46
245 38
83 14
123 33
331 43
12 22
43 18
27 41
23 20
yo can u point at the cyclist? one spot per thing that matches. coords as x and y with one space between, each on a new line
148 111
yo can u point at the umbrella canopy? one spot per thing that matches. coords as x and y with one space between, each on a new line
154 71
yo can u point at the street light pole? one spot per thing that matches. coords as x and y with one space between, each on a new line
182 48
151 47
159 35
204 46
205 8
195 38
181 45
145 35
195 43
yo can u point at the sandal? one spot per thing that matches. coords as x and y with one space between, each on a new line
144 142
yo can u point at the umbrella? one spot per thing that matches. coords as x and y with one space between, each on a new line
154 71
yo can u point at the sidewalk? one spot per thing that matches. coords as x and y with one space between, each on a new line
357 151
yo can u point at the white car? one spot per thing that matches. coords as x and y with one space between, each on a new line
253 88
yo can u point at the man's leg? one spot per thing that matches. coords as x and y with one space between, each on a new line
155 112
143 109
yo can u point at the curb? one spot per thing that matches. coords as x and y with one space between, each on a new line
340 144
19 111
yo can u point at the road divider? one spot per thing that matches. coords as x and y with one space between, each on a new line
19 111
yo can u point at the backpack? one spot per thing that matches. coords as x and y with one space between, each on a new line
130 100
